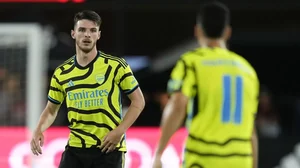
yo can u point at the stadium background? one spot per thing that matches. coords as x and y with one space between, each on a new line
152 34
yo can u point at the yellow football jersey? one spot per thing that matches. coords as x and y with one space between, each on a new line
93 97
223 88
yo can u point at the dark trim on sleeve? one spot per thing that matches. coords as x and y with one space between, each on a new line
53 100
175 91
132 90
55 89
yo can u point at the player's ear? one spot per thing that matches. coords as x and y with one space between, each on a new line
73 34
196 31
199 34
99 35
227 32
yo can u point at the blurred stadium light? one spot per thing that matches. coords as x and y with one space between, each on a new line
168 58
137 62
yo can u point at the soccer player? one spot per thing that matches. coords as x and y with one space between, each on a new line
223 88
91 82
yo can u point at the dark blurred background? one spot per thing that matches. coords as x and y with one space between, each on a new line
151 35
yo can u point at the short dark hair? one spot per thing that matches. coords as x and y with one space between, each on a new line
88 15
213 18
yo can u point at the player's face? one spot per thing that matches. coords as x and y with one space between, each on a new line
86 34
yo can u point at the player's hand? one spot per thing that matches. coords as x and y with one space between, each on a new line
111 140
37 142
157 162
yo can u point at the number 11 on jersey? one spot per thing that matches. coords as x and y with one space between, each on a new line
228 97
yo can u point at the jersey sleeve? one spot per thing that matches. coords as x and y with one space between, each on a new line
56 94
126 79
182 78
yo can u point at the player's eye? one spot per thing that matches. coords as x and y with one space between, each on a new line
81 29
94 30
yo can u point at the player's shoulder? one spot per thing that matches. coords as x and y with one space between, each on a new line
245 63
197 52
190 55
65 65
113 60
240 58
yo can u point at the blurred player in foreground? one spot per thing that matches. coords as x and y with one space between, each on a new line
223 88
91 82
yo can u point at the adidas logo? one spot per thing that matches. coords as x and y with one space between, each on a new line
70 83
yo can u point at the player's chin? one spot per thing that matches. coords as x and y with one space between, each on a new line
86 49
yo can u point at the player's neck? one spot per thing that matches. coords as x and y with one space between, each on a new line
213 43
84 58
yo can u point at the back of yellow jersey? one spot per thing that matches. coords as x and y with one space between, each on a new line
223 88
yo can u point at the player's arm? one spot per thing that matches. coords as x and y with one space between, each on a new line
137 105
173 117
135 108
48 116
254 141
55 98
129 85
180 88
